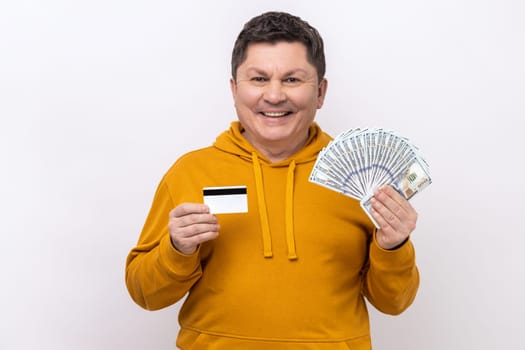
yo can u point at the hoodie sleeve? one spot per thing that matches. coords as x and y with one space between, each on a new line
391 278
157 275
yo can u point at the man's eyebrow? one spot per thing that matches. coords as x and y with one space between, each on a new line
296 71
256 70
286 74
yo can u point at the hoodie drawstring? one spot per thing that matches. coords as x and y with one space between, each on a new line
263 215
290 236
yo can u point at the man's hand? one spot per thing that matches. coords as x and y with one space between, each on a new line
395 216
191 224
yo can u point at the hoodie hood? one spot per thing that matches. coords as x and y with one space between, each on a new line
232 141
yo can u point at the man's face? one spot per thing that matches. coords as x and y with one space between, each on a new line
277 94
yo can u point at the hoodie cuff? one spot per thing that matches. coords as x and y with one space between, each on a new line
388 259
178 263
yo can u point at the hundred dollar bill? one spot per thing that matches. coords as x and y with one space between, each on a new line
358 161
413 180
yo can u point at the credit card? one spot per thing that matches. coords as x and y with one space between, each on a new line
226 200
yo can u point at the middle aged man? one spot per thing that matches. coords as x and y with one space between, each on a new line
294 270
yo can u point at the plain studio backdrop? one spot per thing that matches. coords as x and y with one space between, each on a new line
98 99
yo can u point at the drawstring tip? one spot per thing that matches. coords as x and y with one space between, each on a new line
292 257
268 254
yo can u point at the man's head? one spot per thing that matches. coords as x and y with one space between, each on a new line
274 27
278 82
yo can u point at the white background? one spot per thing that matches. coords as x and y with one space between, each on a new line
98 98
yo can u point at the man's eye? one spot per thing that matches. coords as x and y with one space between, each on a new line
259 79
291 80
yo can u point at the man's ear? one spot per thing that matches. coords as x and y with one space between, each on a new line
321 93
233 87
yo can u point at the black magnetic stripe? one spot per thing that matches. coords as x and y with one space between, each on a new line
223 191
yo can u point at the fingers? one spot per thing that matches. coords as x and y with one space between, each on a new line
392 199
386 207
383 216
189 245
391 204
189 208
191 224
394 215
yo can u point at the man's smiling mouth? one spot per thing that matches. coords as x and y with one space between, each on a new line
275 114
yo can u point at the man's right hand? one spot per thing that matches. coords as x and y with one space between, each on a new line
191 224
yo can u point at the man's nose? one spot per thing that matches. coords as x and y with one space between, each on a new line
274 92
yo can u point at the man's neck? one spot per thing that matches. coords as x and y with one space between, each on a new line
278 152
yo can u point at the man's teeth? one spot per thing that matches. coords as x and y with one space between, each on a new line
275 114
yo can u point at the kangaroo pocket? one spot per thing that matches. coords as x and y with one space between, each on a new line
194 340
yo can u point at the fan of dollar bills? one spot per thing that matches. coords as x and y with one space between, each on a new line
359 161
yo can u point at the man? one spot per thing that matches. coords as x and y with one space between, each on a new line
294 270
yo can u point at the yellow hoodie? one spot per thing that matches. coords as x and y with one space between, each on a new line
292 273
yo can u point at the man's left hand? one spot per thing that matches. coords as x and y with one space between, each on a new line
395 216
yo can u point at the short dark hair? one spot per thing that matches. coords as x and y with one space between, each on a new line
273 27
